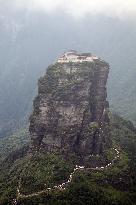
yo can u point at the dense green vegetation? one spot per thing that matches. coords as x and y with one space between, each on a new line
44 171
115 185
83 193
36 172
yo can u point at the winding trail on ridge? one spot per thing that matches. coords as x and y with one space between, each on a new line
64 184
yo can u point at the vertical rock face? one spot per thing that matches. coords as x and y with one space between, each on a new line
71 111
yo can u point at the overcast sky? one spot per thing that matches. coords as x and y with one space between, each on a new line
78 8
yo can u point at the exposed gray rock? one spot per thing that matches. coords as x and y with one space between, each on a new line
71 110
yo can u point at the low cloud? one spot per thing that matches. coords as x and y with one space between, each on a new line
79 8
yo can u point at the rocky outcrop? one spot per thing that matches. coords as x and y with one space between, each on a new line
71 110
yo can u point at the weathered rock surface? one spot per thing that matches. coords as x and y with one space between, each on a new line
71 110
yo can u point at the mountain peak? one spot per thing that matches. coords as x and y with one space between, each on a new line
71 110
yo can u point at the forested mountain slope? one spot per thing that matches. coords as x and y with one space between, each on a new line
49 179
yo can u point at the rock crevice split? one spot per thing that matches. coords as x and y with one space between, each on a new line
70 113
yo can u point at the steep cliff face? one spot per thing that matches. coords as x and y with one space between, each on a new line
71 111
